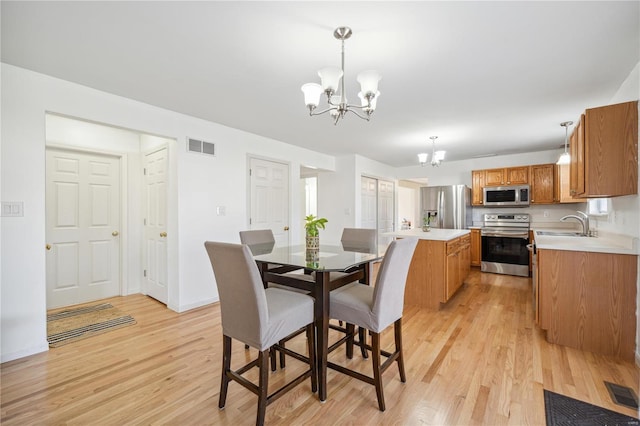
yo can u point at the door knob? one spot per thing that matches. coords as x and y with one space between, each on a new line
286 228
48 246
115 233
163 234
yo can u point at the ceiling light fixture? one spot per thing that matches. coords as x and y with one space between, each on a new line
437 157
565 158
331 78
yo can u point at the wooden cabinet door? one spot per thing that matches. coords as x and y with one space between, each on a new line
476 248
494 177
453 274
542 184
517 175
465 260
477 183
611 150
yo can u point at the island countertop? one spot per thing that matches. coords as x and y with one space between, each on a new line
436 234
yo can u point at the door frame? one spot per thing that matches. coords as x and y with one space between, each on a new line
124 207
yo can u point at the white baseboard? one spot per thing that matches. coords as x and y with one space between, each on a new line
43 347
184 308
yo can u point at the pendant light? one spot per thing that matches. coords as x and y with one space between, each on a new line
565 158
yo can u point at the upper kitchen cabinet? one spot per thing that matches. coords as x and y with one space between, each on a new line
507 176
477 183
542 184
604 152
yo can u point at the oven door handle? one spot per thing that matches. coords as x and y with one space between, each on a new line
522 235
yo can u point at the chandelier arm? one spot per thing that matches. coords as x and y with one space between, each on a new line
366 118
311 113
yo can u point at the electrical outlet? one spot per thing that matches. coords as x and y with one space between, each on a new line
546 213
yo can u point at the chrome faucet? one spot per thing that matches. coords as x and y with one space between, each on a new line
583 219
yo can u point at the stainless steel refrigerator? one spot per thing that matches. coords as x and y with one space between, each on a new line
449 207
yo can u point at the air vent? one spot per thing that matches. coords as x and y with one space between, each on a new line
202 147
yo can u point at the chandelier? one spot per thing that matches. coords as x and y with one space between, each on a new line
437 157
332 85
565 158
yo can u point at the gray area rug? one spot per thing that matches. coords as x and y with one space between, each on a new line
561 410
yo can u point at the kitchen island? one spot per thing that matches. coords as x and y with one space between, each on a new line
440 264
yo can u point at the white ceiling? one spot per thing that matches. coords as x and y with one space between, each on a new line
486 77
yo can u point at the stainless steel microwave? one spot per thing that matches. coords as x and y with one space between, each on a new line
506 196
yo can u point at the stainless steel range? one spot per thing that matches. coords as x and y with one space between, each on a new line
504 244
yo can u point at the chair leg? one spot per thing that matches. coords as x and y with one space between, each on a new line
397 331
282 362
362 336
350 332
263 384
377 375
226 365
272 358
311 347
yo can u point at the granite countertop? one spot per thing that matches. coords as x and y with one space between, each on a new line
603 243
435 234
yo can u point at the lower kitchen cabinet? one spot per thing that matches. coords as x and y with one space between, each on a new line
476 248
587 300
438 269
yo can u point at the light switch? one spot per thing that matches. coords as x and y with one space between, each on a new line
12 209
221 210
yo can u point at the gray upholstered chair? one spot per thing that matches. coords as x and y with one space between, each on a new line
258 317
358 238
376 308
262 241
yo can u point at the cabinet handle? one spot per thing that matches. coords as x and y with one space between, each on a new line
163 234
48 246
115 233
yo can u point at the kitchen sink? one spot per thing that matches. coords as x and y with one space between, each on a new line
561 233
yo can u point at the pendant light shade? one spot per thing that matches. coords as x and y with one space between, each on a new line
565 158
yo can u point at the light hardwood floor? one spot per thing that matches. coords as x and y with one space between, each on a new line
479 360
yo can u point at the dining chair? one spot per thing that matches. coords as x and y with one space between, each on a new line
260 318
262 240
374 309
356 239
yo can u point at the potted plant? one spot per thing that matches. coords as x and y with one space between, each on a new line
311 226
426 223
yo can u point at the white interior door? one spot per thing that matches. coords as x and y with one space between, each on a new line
385 206
269 189
82 227
155 225
377 204
368 198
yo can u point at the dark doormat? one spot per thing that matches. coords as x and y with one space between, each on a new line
562 410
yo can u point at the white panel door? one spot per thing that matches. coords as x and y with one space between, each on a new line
385 206
368 194
269 188
82 227
155 225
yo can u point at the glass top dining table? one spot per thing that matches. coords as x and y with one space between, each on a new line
351 259
330 258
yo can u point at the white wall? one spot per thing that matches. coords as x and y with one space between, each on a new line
198 185
339 193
